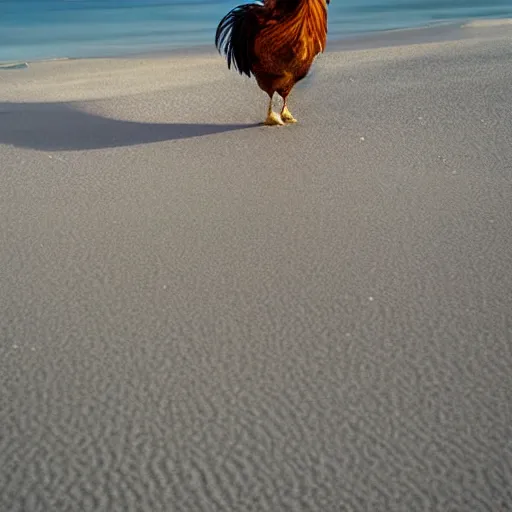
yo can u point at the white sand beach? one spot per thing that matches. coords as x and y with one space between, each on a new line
200 313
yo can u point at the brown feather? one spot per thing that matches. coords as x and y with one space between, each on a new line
282 41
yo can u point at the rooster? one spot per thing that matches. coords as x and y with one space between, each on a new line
275 41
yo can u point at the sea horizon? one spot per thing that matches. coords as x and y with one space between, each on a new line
59 29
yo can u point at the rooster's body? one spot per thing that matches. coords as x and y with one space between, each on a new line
276 42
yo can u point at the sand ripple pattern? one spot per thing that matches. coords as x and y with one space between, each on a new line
223 323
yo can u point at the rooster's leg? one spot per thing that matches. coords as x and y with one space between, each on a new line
273 118
286 115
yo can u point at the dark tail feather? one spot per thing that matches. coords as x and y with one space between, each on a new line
235 37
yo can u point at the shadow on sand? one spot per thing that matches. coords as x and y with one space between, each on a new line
62 127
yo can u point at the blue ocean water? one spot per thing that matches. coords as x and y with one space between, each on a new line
45 29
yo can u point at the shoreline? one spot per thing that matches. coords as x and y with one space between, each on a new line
99 78
432 33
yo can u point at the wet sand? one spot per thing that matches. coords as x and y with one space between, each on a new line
198 313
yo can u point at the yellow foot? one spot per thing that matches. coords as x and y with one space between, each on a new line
273 119
287 117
